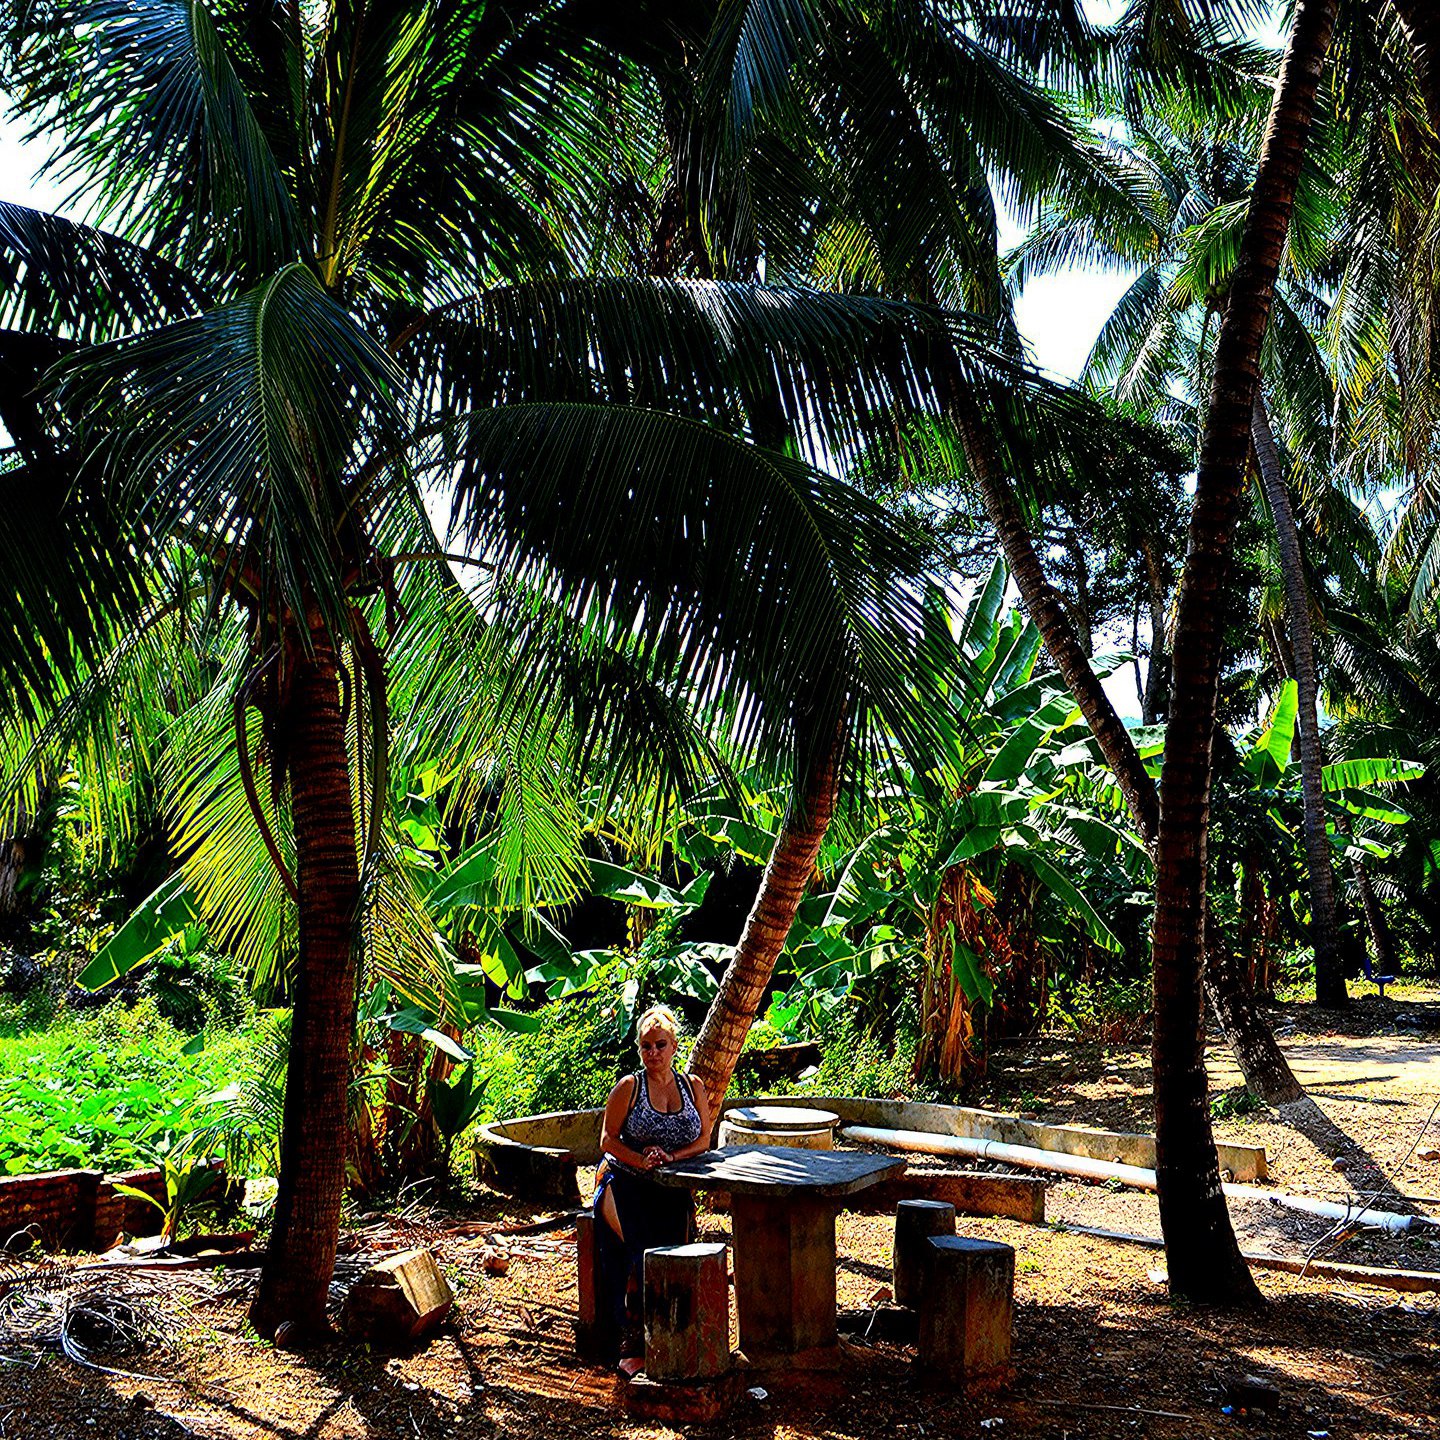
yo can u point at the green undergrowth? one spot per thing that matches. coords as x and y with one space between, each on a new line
100 1091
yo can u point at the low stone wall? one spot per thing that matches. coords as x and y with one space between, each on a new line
57 1208
79 1209
538 1156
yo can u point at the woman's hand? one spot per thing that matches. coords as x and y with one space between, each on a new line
654 1156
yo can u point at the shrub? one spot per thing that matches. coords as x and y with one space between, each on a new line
570 1063
876 1059
101 1092
1112 1012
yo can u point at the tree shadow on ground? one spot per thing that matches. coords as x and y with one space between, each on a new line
1363 1172
1341 1367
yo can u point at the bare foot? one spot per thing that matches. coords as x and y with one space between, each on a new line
631 1366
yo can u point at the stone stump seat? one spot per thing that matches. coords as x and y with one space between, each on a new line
967 1308
687 1312
587 1319
915 1222
688 1376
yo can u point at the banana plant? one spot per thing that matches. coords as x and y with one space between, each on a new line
971 886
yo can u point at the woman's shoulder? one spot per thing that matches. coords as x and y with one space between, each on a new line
624 1086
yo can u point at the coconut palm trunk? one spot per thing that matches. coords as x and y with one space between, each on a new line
1261 1060
1157 676
295 1279
787 878
1382 942
1324 930
1046 607
1204 1259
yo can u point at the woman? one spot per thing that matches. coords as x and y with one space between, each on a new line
651 1118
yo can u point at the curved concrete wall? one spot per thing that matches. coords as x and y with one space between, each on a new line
560 1142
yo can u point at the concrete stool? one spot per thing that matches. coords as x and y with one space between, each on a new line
587 1270
687 1377
915 1222
967 1311
687 1313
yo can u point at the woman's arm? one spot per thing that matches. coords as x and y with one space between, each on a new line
617 1107
702 1104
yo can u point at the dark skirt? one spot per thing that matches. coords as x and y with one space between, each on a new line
650 1215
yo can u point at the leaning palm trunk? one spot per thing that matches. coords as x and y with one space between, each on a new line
1324 931
1204 1260
1046 608
295 1279
787 877
1261 1061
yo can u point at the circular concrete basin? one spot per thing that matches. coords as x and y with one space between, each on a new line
797 1126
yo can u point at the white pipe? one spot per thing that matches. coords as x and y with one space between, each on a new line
1028 1156
1332 1209
1033 1158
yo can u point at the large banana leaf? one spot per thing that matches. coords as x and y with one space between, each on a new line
167 911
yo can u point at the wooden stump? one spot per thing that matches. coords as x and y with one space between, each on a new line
967 1311
915 1222
687 1313
398 1301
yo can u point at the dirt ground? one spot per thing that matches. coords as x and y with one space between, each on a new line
1101 1352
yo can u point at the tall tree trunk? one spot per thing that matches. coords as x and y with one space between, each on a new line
787 877
1256 1050
1204 1260
1262 1062
295 1279
1324 929
1420 20
1381 940
1046 607
1156 699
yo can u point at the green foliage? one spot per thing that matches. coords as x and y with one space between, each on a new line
571 1063
188 1178
101 1092
860 1058
1233 1104
1111 1011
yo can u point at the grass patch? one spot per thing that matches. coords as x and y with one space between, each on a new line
99 1092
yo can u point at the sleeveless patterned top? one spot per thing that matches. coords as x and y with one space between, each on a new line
645 1125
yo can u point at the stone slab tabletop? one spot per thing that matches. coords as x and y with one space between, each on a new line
778 1170
781 1117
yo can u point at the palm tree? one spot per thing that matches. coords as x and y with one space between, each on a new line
1205 1261
319 313
1198 167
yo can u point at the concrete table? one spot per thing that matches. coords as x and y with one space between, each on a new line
783 1204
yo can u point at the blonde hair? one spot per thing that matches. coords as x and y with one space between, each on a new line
659 1017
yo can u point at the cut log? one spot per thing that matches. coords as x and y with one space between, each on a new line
397 1302
916 1221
